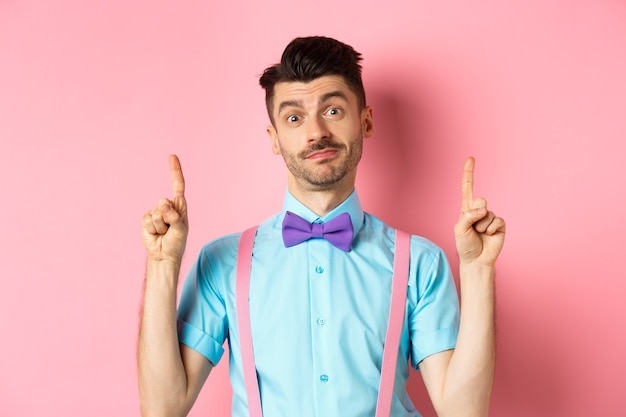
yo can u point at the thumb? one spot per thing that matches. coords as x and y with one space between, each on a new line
171 216
469 217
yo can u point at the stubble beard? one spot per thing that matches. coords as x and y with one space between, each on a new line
323 175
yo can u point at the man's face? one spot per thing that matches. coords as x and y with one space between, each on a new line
319 130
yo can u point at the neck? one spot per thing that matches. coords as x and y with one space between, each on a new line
321 200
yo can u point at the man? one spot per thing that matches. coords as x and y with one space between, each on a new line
319 312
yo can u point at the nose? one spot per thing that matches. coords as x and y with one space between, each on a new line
317 129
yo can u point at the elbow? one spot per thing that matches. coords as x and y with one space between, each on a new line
160 408
147 411
475 409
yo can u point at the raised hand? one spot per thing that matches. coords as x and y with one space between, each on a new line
479 233
165 228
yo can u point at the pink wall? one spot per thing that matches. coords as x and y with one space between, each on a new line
95 95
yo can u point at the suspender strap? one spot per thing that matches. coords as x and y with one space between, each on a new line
396 319
244 265
394 326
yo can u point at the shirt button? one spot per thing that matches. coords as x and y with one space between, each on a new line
321 321
324 378
319 269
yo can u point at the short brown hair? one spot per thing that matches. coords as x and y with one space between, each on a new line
308 58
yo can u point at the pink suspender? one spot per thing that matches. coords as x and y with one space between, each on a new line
394 326
400 283
244 264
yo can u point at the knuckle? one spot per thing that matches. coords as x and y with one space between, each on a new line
156 217
164 202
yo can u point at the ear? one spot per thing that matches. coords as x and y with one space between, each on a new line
273 135
367 121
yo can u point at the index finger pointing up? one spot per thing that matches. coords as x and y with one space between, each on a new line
178 181
467 183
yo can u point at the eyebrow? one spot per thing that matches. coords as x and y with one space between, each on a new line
323 99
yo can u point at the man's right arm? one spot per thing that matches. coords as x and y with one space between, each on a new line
170 374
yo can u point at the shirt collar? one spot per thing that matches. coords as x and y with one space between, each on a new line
351 205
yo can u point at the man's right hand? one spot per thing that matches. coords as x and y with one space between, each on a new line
165 228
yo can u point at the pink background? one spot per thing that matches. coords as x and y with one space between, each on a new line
95 95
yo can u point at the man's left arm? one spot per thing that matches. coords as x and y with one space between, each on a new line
459 381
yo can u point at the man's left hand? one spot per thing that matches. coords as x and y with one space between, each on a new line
479 233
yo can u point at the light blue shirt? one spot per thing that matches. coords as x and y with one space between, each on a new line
319 315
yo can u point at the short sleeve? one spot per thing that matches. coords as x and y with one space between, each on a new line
202 315
433 314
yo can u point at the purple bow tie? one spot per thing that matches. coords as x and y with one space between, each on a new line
338 231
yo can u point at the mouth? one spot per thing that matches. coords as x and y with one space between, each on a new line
325 153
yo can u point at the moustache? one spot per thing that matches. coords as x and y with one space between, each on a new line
320 146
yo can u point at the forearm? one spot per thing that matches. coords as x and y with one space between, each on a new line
162 377
469 379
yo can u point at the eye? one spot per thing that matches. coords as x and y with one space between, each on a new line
334 112
293 118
